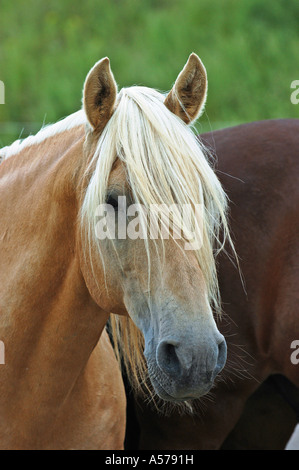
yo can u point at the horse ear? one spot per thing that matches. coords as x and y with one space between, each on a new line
100 90
188 95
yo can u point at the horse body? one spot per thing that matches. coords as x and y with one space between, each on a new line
60 373
258 166
265 204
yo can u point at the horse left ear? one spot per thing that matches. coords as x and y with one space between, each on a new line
100 90
188 95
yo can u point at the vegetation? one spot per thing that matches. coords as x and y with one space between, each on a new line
250 49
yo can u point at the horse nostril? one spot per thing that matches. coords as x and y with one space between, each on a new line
167 358
222 352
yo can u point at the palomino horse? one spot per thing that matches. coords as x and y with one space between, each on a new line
258 166
60 278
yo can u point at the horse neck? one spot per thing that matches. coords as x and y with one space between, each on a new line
48 323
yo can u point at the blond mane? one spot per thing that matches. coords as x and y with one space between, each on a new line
73 120
165 164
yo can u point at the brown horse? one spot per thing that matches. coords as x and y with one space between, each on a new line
258 166
62 273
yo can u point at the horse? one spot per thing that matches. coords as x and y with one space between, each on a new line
63 274
258 166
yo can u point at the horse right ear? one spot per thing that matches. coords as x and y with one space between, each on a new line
100 90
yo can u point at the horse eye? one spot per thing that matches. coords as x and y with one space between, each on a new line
112 201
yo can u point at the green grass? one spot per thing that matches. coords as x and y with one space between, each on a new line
250 49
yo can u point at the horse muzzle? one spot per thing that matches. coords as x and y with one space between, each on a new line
183 371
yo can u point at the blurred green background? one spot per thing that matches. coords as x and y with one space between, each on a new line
250 49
